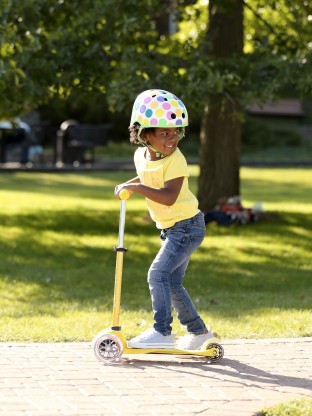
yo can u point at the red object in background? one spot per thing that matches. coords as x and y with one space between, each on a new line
233 207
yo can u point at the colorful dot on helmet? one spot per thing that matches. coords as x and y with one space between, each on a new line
159 112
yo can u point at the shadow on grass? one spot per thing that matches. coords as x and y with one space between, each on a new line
78 222
76 274
291 229
68 266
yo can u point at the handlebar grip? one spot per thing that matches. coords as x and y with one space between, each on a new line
124 194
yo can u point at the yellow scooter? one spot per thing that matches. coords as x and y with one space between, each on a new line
110 344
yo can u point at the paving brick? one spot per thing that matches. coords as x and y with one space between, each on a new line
65 379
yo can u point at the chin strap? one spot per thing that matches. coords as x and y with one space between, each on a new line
158 154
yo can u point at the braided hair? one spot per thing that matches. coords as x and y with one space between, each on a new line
134 130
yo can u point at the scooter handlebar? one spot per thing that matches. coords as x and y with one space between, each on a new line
124 194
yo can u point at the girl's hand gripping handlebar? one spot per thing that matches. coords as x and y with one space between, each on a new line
124 194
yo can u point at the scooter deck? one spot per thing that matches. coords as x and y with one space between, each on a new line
173 351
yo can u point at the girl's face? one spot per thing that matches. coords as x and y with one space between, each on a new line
164 140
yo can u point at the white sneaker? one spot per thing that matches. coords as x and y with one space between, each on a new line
152 339
193 342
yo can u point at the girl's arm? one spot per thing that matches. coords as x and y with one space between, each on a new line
133 180
165 196
121 186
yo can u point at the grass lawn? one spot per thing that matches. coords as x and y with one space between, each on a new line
299 407
57 265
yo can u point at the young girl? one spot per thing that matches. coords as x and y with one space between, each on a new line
157 124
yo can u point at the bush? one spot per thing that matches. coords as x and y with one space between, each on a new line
259 133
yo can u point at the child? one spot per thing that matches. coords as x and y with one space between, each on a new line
157 124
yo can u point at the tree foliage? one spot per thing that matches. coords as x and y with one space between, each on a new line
224 54
51 48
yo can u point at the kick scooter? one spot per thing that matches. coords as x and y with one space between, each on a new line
110 344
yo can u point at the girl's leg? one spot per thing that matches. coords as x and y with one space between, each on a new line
166 274
182 302
158 280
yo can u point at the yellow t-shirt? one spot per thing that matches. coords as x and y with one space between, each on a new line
155 174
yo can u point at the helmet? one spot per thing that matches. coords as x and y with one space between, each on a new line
159 108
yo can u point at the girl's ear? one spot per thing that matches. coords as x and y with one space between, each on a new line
144 135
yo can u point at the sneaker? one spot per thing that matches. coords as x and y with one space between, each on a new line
152 339
193 342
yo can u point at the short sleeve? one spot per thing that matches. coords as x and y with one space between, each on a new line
175 167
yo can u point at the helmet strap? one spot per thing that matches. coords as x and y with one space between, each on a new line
142 141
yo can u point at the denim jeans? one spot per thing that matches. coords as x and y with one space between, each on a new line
165 276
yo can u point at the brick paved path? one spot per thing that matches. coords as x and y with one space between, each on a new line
66 379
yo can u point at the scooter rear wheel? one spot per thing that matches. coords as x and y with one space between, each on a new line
217 350
108 348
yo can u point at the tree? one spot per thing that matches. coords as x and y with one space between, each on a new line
117 48
221 128
274 52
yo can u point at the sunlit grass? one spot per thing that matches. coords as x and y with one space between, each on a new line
298 407
57 265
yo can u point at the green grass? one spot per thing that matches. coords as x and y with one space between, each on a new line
300 407
278 154
57 265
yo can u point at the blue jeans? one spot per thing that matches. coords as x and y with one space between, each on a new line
165 276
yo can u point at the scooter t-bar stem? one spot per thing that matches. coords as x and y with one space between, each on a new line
123 195
122 220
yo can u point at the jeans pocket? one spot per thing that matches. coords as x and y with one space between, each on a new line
199 220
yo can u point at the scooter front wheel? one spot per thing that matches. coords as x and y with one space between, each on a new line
217 351
108 348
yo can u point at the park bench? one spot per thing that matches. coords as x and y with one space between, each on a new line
77 143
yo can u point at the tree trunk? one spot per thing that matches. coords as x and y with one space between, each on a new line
220 134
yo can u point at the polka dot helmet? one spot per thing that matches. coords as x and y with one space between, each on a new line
159 108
